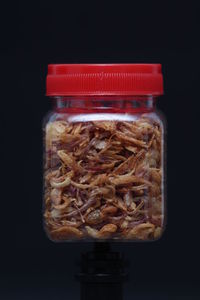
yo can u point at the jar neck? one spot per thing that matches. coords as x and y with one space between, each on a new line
135 104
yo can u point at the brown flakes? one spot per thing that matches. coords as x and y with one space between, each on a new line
141 231
106 125
100 145
95 217
92 232
131 140
127 179
62 184
129 164
103 179
66 232
62 206
157 232
56 196
107 230
109 210
67 159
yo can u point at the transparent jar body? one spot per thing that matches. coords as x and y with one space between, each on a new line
104 169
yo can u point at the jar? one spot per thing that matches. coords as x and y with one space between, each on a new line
104 153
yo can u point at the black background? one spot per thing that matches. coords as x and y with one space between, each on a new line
35 34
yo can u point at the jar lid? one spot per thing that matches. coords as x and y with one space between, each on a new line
104 79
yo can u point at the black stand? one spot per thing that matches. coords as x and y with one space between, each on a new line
102 274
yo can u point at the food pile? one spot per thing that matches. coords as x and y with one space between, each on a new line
103 180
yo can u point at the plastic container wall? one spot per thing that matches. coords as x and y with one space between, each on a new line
104 168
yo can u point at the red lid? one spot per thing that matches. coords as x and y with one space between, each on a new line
104 79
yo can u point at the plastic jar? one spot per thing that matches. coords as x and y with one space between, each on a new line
104 152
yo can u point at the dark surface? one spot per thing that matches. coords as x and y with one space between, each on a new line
35 34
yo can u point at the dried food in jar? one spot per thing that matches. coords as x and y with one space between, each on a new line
104 179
